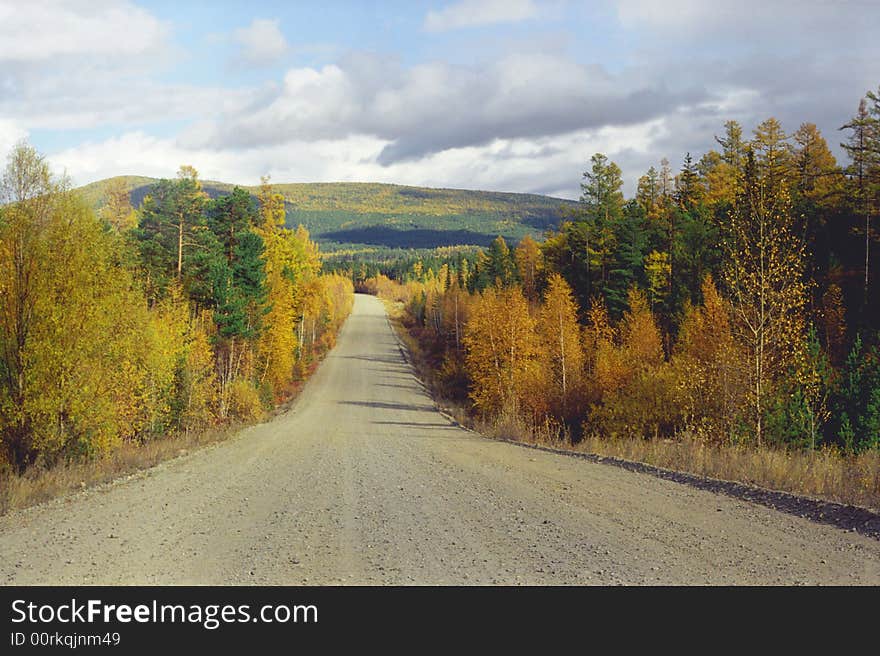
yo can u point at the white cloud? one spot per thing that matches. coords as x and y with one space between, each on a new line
63 102
10 134
89 63
41 31
138 153
549 165
476 13
429 108
261 42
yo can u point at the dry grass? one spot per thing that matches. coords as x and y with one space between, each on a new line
823 474
39 484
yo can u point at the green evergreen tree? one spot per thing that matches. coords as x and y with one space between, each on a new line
500 268
855 405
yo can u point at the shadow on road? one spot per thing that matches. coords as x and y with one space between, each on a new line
390 406
414 424
366 358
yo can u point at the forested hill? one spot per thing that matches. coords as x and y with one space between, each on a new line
344 215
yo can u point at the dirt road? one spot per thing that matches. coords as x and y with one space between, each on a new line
364 482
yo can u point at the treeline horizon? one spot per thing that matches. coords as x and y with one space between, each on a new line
127 325
735 297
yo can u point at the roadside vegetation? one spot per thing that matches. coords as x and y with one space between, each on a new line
723 321
128 335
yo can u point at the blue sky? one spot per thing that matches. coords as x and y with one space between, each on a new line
512 95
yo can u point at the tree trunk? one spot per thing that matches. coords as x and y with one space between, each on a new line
180 247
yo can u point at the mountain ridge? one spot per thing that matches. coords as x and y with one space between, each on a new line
342 215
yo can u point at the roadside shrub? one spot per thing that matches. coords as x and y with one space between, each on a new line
244 400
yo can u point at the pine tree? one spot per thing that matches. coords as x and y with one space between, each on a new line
855 402
631 242
863 149
171 223
647 193
817 196
499 266
230 217
733 146
602 199
687 189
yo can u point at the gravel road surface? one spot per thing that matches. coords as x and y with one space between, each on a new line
364 482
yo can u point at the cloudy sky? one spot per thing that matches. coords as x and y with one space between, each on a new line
509 95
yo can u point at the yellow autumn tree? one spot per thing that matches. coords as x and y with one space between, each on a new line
339 300
87 331
455 309
719 179
277 342
117 211
633 377
198 378
710 368
560 353
529 264
500 350
604 365
764 276
164 339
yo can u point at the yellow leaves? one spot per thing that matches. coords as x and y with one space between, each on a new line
657 270
198 378
561 354
529 266
277 343
303 308
641 341
610 372
630 380
244 400
81 373
117 211
765 267
721 183
271 206
710 367
500 347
